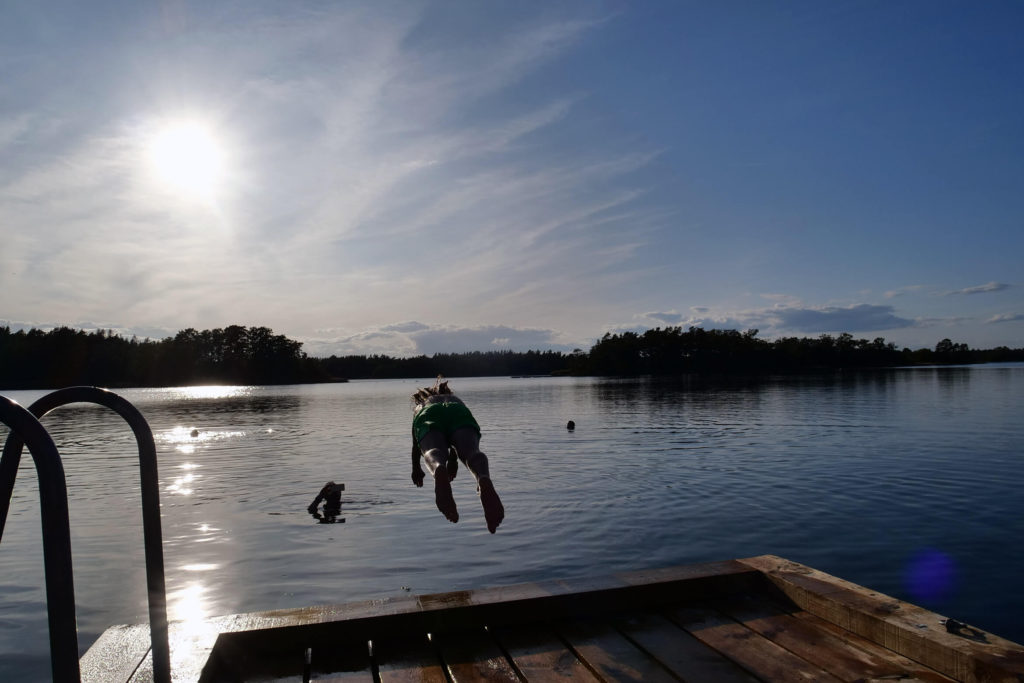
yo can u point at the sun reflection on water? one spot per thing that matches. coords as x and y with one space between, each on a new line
188 607
213 391
181 484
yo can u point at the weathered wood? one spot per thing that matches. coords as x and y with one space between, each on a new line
681 653
540 656
474 656
896 625
347 662
409 660
284 631
758 655
609 654
848 658
607 628
344 677
116 654
916 670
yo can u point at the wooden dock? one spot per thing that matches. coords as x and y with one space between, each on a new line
758 619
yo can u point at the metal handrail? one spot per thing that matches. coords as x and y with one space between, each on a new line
152 534
53 503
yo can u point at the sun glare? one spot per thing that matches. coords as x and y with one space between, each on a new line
186 157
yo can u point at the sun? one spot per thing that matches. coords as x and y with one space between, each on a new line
186 157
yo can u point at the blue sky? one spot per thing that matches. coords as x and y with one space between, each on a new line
416 177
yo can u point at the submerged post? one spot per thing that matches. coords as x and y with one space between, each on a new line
152 535
53 504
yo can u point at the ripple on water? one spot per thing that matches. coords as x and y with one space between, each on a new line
854 476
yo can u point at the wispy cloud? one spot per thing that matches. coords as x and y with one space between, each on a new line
367 163
413 338
857 318
786 319
900 291
668 317
980 289
1006 318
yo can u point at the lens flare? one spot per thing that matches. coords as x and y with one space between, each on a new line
930 576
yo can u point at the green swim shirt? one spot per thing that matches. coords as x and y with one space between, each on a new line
446 417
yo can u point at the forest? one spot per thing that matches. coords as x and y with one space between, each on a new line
63 356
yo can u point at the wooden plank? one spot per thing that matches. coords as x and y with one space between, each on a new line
270 638
345 661
194 651
681 653
609 654
409 660
758 655
344 677
847 656
916 670
508 603
907 629
474 656
540 656
116 654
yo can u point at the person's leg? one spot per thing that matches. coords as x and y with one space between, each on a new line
453 463
434 446
467 445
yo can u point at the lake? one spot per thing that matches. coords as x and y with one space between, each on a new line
907 481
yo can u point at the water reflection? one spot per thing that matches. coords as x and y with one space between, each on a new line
835 470
181 485
188 606
210 392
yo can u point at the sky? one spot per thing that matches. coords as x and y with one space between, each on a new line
419 177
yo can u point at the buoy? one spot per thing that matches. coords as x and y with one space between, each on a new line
571 426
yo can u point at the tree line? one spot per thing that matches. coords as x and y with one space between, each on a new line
37 359
671 350
64 356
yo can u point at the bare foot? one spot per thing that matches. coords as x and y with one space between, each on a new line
443 495
494 511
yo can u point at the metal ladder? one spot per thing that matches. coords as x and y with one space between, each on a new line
53 500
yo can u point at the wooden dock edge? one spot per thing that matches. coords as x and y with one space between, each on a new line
967 655
201 652
272 634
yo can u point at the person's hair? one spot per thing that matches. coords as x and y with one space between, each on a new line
440 387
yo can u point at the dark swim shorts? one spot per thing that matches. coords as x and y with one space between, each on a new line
446 417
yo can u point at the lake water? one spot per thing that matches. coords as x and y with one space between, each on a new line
907 481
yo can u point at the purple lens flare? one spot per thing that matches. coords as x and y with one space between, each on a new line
930 576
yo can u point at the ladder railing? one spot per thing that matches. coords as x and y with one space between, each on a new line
60 600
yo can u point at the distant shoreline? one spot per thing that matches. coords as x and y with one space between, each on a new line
238 355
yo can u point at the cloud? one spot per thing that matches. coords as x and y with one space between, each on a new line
780 299
857 318
140 331
704 318
414 339
669 317
485 338
1006 318
371 157
740 321
410 326
900 291
785 319
980 289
